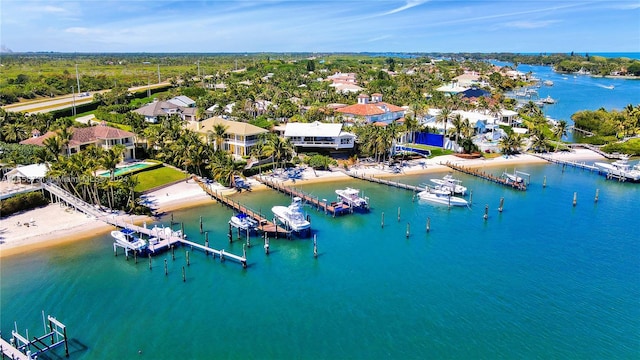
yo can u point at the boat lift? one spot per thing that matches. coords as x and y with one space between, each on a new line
23 348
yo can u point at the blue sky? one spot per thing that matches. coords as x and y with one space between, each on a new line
320 26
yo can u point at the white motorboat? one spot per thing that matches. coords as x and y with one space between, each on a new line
441 197
548 82
127 240
512 178
451 184
165 232
292 216
352 198
243 221
549 100
620 169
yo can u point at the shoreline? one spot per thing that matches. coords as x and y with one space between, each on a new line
55 225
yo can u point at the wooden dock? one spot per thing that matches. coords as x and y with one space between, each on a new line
377 180
575 164
264 224
166 241
490 177
333 208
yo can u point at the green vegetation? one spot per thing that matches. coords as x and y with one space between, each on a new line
150 179
630 147
22 202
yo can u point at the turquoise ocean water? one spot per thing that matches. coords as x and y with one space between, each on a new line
543 279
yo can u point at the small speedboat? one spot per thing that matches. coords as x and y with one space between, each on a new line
443 197
127 239
243 221
165 232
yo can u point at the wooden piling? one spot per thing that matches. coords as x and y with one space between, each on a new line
230 234
398 213
575 198
315 247
597 194
182 229
382 220
135 256
200 224
501 204
428 224
408 230
173 253
149 261
166 269
184 275
187 256
470 196
244 251
544 181
486 212
266 244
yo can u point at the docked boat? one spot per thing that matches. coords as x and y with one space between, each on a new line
548 83
442 197
610 87
126 238
549 100
512 178
620 169
292 216
351 197
243 221
165 232
451 184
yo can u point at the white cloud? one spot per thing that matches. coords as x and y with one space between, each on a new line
529 24
406 6
82 31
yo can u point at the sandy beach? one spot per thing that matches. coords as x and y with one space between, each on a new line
55 224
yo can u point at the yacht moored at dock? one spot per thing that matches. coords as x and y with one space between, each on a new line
620 169
351 197
292 216
451 184
443 197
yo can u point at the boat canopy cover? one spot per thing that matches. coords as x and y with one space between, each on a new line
127 231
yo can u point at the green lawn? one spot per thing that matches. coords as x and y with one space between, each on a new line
435 150
156 177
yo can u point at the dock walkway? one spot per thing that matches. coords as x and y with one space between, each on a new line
575 164
164 240
377 180
481 174
10 352
334 208
264 224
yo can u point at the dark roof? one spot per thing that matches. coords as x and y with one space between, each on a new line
475 92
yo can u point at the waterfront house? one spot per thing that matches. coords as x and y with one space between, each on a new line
101 136
239 138
372 110
179 105
318 136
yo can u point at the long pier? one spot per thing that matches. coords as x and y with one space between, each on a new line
378 180
575 164
334 208
264 224
490 177
162 240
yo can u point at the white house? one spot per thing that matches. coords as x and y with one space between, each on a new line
319 135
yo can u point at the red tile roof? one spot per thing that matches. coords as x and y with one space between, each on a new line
83 135
369 109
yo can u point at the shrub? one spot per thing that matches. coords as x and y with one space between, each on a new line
22 202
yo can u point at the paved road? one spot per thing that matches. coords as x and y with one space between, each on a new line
64 101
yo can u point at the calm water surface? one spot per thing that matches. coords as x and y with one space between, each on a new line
542 279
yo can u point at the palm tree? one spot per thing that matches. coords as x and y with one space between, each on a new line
443 117
458 125
539 142
224 169
65 135
559 131
278 148
219 132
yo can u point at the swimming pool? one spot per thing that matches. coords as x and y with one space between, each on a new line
128 168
